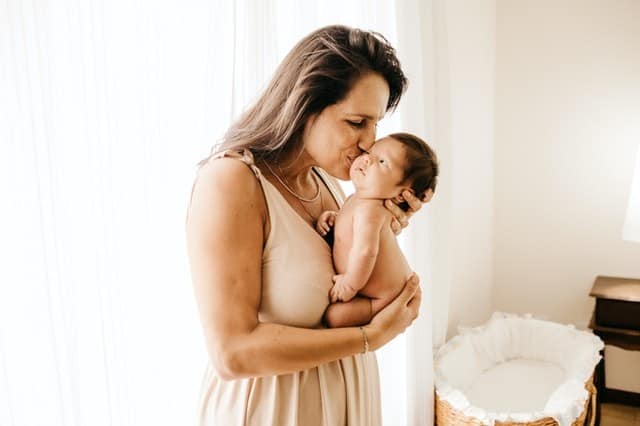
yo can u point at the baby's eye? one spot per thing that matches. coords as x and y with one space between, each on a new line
381 161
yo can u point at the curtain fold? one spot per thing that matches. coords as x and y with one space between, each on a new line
422 46
107 106
106 120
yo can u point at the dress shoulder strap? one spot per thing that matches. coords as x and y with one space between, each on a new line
332 185
245 156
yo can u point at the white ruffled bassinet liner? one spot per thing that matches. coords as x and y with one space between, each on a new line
512 339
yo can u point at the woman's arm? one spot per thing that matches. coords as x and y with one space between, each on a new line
225 238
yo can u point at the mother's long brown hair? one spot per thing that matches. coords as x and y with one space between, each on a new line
319 71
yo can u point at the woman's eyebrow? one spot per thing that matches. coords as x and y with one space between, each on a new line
367 116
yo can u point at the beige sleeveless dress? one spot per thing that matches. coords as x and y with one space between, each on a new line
296 273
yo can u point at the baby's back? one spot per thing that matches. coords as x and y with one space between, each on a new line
391 269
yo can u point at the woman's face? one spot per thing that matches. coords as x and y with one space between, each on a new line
342 131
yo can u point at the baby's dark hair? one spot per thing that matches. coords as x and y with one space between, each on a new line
421 168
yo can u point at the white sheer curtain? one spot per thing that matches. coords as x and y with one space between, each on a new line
106 106
425 110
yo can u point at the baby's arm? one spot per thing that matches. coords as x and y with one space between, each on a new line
368 220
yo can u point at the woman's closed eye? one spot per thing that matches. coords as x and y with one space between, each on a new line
357 124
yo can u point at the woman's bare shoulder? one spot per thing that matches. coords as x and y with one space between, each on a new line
227 171
226 183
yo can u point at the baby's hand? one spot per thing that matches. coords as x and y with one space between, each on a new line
341 291
326 221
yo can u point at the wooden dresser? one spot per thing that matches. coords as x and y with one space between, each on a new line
616 320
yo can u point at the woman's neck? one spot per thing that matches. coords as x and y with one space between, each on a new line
295 170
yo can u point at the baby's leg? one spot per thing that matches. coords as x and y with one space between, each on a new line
358 311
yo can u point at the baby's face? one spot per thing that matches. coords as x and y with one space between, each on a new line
378 173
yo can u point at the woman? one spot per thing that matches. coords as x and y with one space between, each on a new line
261 273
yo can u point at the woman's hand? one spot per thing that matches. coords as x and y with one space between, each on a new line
400 217
397 315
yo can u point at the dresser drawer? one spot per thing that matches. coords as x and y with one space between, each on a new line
618 313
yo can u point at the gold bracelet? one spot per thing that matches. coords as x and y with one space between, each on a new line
366 340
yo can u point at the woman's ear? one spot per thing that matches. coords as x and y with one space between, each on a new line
309 123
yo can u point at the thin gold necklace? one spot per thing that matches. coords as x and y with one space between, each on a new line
291 191
309 215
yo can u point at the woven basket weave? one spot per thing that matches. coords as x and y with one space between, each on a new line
448 416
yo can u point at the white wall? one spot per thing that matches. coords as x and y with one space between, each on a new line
567 129
468 167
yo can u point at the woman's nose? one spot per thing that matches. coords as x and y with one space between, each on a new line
367 138
365 144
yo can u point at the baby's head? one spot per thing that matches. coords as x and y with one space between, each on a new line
421 167
396 162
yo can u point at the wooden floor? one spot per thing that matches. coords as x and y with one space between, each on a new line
619 415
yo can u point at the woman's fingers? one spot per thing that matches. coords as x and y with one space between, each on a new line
427 196
415 301
395 226
395 317
393 208
414 203
397 213
400 217
410 288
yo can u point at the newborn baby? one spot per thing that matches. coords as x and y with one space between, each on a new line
366 255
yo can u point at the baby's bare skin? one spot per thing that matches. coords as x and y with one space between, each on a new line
371 267
390 270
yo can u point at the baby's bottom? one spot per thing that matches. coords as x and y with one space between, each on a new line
358 311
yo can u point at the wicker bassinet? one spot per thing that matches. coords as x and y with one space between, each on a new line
507 337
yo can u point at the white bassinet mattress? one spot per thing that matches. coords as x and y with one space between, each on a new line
518 385
516 368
